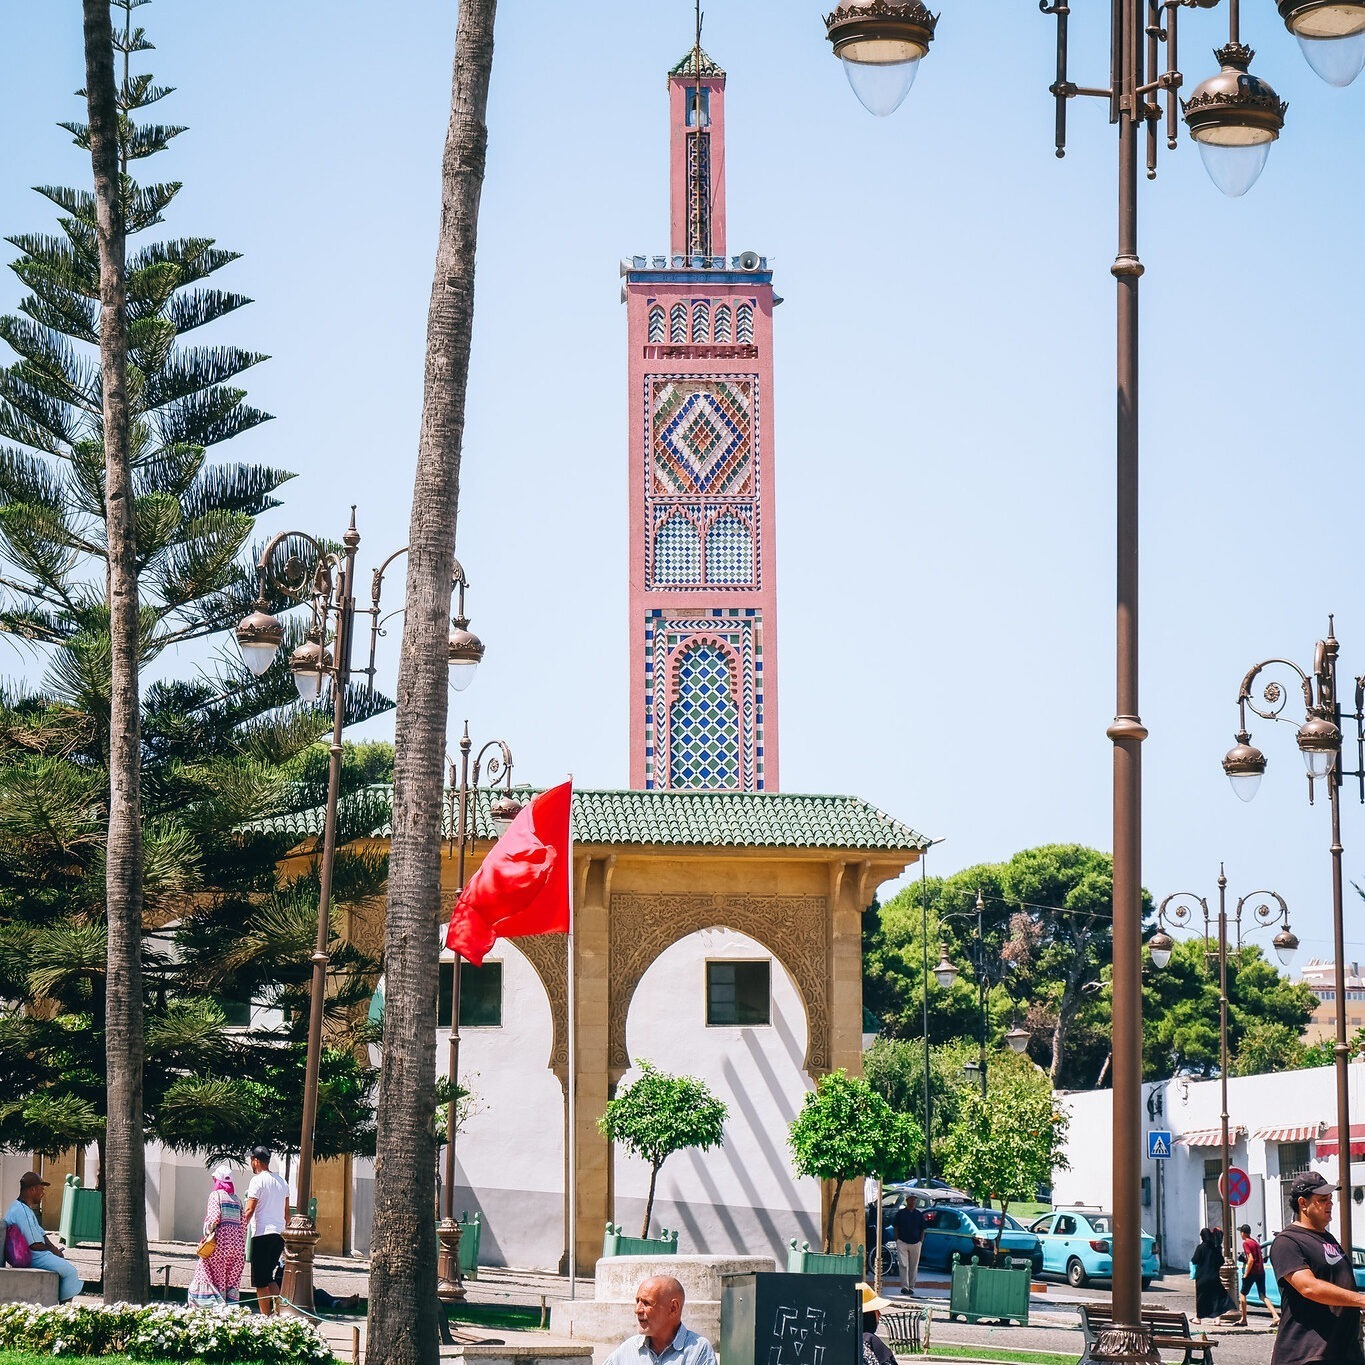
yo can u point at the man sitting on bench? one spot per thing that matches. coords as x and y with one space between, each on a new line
43 1252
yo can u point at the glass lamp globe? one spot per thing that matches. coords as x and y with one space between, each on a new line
1160 945
1017 1038
465 651
1318 740
309 664
259 635
1245 766
1286 945
504 811
945 973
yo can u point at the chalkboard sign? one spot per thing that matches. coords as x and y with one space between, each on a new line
775 1319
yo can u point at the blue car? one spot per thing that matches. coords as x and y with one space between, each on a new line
1077 1244
1272 1287
968 1232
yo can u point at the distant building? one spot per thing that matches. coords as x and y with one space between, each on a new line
1320 976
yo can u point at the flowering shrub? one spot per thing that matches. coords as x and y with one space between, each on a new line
161 1332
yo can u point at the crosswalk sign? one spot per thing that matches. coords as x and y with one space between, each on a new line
1158 1145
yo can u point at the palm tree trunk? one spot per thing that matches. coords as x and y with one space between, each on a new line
403 1322
125 1220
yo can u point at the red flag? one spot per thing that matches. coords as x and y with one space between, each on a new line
522 887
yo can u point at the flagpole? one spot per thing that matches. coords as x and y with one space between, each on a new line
572 1154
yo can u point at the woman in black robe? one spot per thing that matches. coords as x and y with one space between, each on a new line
1211 1299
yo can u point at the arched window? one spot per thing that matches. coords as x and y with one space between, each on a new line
701 322
745 324
729 550
657 328
677 551
678 320
703 722
723 333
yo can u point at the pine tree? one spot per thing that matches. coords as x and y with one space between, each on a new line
218 753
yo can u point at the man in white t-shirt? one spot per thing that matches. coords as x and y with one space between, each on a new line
266 1211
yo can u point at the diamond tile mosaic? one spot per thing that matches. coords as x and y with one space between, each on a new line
703 741
701 432
677 551
729 550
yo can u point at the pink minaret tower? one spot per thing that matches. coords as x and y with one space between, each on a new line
703 591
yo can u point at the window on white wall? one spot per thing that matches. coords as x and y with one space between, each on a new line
480 995
738 994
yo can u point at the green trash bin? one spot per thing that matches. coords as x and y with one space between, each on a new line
82 1220
470 1228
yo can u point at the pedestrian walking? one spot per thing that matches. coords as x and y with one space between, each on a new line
908 1225
267 1209
1211 1299
1253 1275
218 1276
1319 1302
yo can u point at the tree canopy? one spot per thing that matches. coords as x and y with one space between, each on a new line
1046 948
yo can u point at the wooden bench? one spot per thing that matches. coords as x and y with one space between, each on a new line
1170 1330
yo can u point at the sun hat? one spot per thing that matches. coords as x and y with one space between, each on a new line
872 1301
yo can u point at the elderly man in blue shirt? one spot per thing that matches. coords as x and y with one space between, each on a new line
44 1253
663 1338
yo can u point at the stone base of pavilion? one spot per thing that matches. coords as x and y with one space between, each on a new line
609 1316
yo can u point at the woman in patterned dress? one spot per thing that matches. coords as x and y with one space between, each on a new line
217 1277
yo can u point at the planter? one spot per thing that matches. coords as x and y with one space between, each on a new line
469 1245
82 1219
616 1243
982 1291
803 1261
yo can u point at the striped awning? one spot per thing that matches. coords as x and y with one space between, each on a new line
1329 1144
1289 1132
1210 1137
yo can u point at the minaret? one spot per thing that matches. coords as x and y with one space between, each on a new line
703 592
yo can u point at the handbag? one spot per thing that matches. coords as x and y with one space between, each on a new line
17 1251
206 1248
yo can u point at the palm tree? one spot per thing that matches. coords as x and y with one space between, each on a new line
403 1307
127 1270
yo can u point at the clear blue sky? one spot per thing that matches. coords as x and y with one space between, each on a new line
944 399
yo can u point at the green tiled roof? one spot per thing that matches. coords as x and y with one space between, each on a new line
685 819
688 65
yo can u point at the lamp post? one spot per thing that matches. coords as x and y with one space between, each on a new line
327 587
1320 742
503 810
1233 117
946 973
1176 911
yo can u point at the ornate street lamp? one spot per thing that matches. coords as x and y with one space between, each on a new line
503 809
327 587
1319 738
1176 911
1331 36
946 973
1234 118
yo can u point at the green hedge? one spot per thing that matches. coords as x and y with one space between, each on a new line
161 1332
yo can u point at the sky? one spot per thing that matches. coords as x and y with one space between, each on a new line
944 405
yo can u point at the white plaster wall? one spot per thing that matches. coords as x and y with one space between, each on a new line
1177 1211
743 1197
510 1156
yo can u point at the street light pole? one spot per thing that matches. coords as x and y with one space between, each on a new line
1234 117
1176 911
328 588
1320 741
981 989
504 809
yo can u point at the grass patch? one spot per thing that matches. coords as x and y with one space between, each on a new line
513 1317
960 1351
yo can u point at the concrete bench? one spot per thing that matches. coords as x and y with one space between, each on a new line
19 1285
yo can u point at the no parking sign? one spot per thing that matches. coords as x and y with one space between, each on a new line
1239 1186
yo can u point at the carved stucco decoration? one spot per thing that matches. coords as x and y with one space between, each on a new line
795 929
548 953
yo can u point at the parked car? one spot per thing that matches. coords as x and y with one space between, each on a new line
1272 1287
1077 1243
969 1231
928 1189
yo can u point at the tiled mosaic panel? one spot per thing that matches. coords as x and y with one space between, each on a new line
703 739
729 551
700 437
677 551
668 633
680 557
